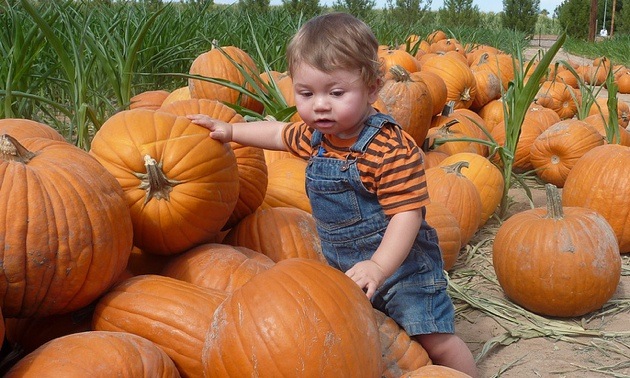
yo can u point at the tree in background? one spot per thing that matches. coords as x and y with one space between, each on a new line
520 15
254 6
622 18
408 12
306 8
358 8
459 13
573 17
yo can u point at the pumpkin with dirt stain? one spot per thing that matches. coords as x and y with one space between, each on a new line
299 318
557 261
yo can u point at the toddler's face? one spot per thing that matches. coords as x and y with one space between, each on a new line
334 103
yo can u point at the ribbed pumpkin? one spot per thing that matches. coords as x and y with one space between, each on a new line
299 318
173 314
458 77
559 97
252 169
487 178
449 233
217 63
408 100
279 233
180 185
448 186
149 99
217 266
554 152
66 230
96 354
488 88
600 180
400 353
557 261
545 116
492 113
26 128
285 187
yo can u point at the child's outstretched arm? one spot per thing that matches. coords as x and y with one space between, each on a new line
393 250
263 134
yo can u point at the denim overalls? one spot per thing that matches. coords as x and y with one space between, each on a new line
351 225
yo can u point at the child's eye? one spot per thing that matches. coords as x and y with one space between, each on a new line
305 94
336 93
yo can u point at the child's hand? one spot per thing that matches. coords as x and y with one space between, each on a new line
368 275
219 130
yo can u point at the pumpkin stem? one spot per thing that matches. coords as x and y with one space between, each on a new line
12 150
456 167
399 73
554 202
155 182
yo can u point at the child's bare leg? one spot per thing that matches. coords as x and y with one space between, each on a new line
449 350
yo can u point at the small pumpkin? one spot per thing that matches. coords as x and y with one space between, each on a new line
285 187
458 77
20 128
557 261
449 233
151 100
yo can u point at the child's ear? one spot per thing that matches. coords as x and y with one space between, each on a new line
374 89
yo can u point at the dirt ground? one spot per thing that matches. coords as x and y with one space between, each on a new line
511 342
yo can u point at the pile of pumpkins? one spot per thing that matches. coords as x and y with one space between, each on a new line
165 253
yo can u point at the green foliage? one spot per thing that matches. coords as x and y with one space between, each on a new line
459 13
358 8
520 15
573 17
622 19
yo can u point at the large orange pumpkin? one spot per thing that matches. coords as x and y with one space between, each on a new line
299 318
221 63
449 233
600 181
285 186
252 169
557 261
173 314
66 230
96 354
149 99
180 185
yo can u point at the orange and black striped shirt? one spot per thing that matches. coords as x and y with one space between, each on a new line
392 167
